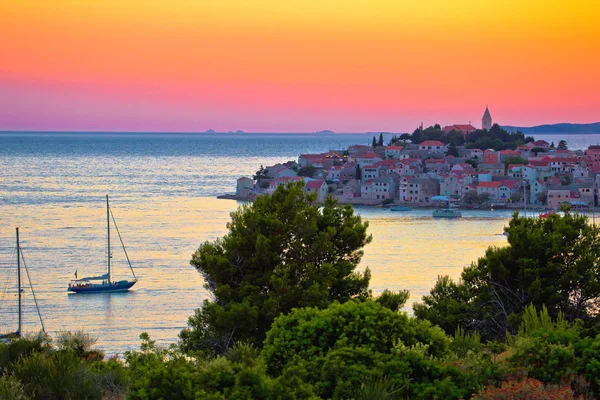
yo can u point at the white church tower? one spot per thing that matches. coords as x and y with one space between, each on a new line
486 120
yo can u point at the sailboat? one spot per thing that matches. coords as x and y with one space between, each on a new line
19 332
104 283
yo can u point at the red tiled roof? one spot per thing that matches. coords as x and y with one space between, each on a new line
563 159
509 183
538 163
490 184
435 161
394 147
466 128
314 184
511 166
510 152
385 162
368 156
432 143
459 127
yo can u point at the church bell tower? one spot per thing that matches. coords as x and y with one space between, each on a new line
486 120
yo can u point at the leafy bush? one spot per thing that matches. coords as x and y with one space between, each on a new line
11 388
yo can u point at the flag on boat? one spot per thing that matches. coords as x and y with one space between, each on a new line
75 274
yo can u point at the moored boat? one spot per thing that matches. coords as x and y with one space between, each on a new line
103 283
19 332
446 213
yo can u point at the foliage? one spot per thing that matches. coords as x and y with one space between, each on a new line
542 197
435 132
378 389
308 171
562 145
167 374
346 345
59 375
260 175
15 349
80 342
552 261
472 162
11 388
358 172
402 139
282 252
495 138
452 150
393 300
513 160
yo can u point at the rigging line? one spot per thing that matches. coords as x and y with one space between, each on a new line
32 291
122 244
6 280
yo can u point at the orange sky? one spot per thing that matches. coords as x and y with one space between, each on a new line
296 65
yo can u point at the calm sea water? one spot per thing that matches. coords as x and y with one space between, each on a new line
162 189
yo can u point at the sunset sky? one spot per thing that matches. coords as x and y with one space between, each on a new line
296 66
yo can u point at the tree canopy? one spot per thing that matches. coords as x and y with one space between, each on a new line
496 138
553 261
281 252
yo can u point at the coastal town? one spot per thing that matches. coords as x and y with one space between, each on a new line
513 172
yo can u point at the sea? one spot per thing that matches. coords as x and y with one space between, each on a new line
163 190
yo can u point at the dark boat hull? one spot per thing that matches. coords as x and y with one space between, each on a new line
121 286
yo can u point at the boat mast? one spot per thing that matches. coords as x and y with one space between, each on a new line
108 230
19 281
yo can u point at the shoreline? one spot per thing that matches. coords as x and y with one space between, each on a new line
378 204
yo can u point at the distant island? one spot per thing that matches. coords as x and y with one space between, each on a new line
211 131
562 128
325 131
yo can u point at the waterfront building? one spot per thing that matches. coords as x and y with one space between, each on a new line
558 195
535 188
244 186
351 190
489 188
319 187
592 157
420 190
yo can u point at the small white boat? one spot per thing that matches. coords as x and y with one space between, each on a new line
446 209
446 213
